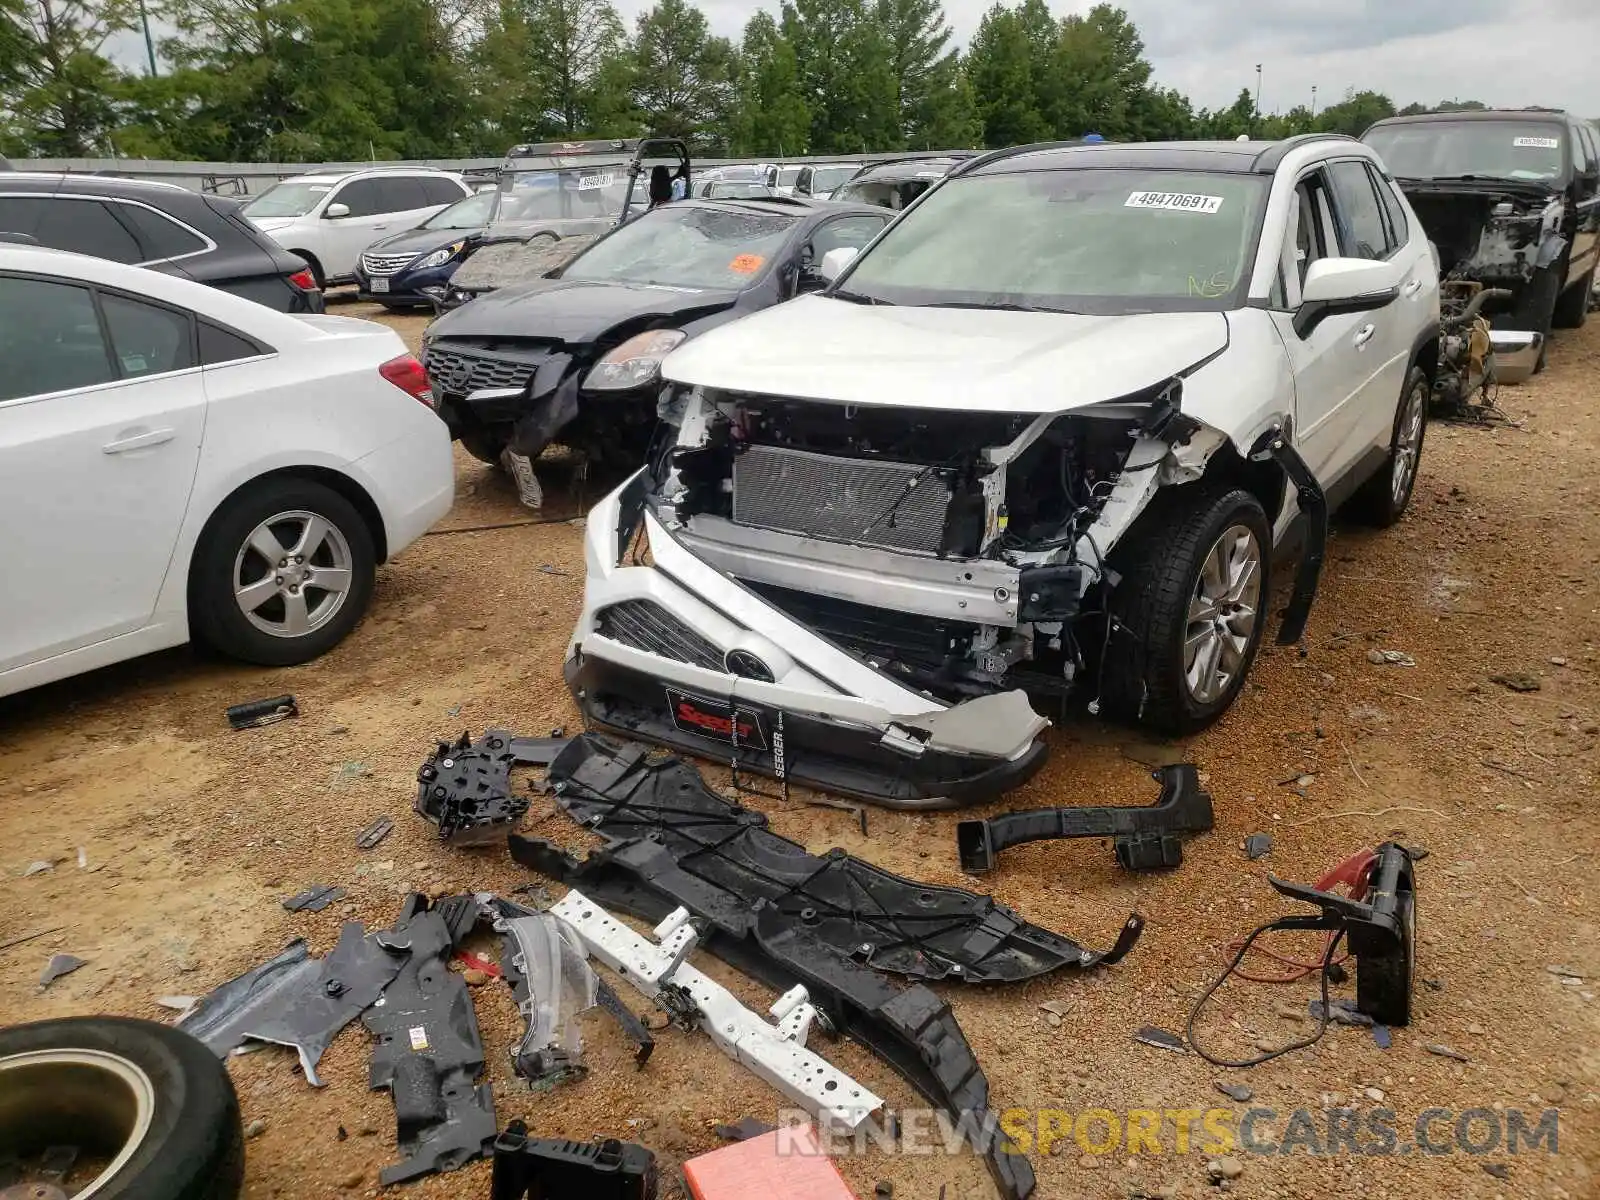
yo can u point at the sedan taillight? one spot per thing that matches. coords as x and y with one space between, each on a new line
407 374
304 280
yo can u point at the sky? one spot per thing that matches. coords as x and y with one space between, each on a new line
1506 53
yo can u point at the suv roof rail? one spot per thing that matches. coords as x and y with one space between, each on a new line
1267 161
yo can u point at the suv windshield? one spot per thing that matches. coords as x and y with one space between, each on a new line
825 179
689 247
1523 150
553 195
1097 240
288 200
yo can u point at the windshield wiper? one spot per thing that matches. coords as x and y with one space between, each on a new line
854 297
1000 306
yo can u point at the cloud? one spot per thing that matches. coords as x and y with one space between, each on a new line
1496 51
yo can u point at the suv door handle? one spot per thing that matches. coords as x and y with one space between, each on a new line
1364 335
1411 289
139 441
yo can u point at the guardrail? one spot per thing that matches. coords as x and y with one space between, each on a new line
240 178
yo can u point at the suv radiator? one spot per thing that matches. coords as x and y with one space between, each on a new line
898 506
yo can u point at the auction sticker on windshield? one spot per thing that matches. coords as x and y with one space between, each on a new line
1174 201
588 183
1536 143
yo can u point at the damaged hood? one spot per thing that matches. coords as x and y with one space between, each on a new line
818 348
574 311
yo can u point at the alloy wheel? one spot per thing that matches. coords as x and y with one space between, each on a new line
1222 614
1408 444
292 575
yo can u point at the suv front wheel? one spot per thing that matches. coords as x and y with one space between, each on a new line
1189 609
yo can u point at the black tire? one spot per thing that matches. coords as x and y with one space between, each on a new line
1160 560
1384 982
1375 502
1537 309
215 616
192 1147
1572 307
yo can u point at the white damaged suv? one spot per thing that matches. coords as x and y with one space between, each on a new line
1052 433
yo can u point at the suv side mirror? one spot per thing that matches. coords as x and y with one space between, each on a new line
835 261
336 210
1336 286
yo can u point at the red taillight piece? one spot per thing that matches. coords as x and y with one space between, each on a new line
406 373
304 280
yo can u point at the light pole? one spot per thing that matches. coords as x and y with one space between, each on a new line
149 43
1257 122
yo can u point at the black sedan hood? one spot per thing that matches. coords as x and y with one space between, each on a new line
574 311
420 241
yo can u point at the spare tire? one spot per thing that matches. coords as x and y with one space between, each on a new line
151 1107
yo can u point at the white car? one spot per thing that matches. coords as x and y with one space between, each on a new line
329 219
1049 435
177 462
818 180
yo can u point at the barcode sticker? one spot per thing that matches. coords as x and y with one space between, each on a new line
1536 143
419 1037
1174 201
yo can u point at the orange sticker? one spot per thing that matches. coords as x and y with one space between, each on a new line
746 264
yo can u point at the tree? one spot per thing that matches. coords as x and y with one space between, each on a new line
771 117
58 85
846 80
684 81
999 68
570 43
1100 77
918 60
947 117
1355 113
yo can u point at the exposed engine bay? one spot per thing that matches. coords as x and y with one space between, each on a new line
1465 382
1493 236
1011 509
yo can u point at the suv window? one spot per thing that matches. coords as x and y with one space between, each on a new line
147 339
436 190
1591 149
1399 226
85 226
160 236
365 198
845 231
1362 233
49 338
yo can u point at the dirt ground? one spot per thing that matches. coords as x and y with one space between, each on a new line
192 834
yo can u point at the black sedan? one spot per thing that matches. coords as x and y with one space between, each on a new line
575 357
167 228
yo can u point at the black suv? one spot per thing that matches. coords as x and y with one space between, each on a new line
1511 199
160 226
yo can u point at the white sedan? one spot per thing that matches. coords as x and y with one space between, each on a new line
179 463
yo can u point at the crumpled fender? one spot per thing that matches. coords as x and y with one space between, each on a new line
551 404
1551 248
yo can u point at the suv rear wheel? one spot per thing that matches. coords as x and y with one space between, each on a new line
1189 610
1383 499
